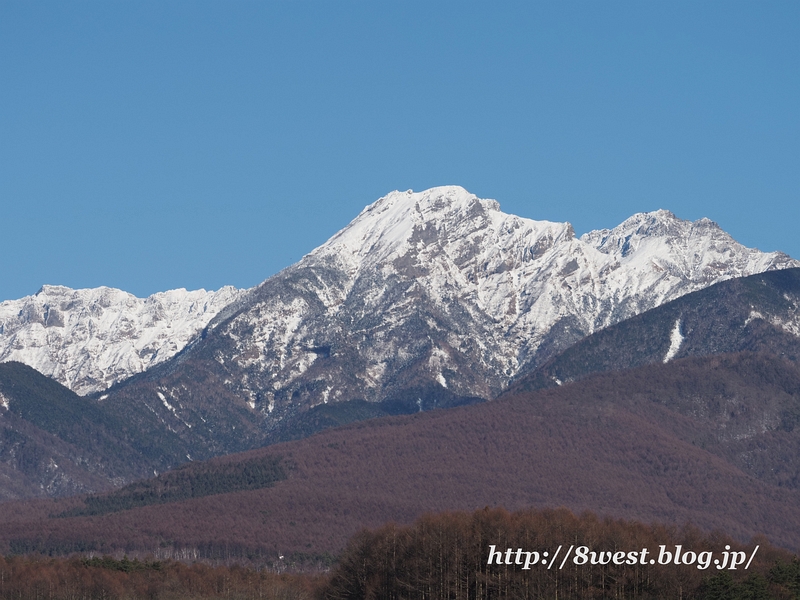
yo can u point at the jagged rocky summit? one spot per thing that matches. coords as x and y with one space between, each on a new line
436 290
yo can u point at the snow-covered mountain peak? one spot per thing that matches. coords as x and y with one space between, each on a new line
47 289
388 225
438 279
445 237
446 281
445 219
89 339
660 232
658 223
435 204
661 251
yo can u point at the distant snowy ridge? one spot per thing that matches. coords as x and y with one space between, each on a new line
90 339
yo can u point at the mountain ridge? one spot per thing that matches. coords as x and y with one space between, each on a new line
427 300
485 272
88 339
454 268
758 313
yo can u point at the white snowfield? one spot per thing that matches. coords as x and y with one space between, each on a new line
89 339
511 288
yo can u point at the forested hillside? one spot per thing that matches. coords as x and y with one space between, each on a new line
712 441
760 313
487 553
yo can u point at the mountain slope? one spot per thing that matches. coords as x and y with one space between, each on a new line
437 290
760 313
55 443
653 444
90 339
450 269
426 299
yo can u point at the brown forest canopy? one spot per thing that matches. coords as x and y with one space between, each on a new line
712 441
446 556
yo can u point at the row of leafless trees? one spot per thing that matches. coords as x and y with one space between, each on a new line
446 556
441 557
23 578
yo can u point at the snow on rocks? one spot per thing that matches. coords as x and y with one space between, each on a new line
91 338
420 276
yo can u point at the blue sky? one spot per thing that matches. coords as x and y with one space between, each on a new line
156 145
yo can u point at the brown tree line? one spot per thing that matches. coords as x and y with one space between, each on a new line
36 578
445 556
440 557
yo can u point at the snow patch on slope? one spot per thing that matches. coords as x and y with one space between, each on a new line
791 326
171 408
675 341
